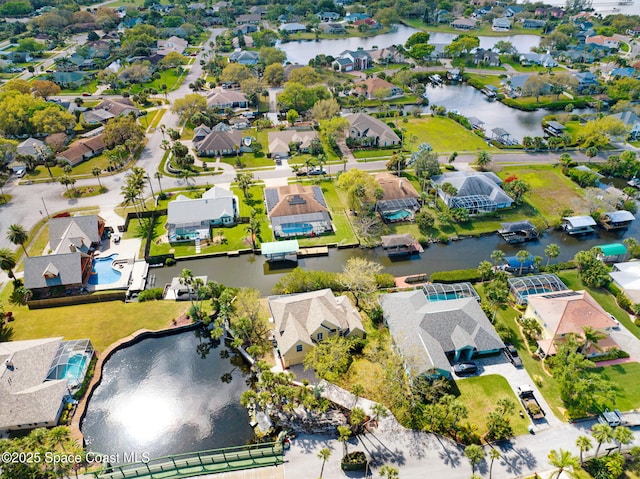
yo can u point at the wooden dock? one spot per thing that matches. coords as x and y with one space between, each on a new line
313 252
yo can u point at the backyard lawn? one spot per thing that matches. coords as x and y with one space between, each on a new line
481 393
627 379
443 134
103 324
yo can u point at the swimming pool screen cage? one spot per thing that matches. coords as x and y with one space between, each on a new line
443 292
71 361
523 286
474 203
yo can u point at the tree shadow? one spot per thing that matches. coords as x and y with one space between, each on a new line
6 333
517 460
379 453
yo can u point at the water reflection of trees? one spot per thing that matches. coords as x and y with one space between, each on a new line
207 344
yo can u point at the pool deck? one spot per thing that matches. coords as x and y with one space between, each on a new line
126 250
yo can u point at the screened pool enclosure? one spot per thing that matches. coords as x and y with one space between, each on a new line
71 362
445 292
524 286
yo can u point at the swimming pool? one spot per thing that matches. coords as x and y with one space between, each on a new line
297 229
102 272
74 367
399 215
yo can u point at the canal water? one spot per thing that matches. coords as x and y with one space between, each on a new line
254 272
169 395
302 51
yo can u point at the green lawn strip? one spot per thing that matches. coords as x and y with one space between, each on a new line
104 324
444 134
168 77
90 87
152 118
481 393
377 153
494 80
551 191
604 299
626 378
489 224
85 168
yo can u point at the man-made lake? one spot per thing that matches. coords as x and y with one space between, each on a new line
253 271
160 396
302 51
604 7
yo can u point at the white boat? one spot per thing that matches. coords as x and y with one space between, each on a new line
247 141
635 182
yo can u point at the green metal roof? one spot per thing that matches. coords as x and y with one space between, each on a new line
613 249
280 247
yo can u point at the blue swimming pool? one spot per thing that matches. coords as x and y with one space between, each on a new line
102 272
74 367
399 215
297 229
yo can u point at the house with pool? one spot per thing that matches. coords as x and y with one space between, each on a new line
400 200
434 328
477 192
37 378
295 210
191 219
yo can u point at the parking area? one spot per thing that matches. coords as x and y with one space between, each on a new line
516 377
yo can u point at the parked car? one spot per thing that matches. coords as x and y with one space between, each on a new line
465 368
301 173
318 171
86 93
277 159
512 355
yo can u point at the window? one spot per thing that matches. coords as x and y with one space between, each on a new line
320 336
299 348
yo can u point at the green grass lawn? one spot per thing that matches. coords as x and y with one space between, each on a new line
377 154
551 191
104 324
90 86
168 77
41 173
480 395
444 134
626 377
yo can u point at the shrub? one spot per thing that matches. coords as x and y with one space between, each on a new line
385 280
455 276
623 301
150 295
170 262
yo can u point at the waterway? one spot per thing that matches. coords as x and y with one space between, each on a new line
169 395
254 272
604 7
302 51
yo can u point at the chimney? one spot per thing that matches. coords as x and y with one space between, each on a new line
401 185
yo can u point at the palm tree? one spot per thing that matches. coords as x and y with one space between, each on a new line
253 227
389 472
18 236
591 338
565 160
622 435
522 256
158 175
96 172
527 142
187 279
584 444
562 459
245 181
630 192
344 433
483 158
493 455
379 411
551 251
497 256
324 454
185 175
601 433
7 262
357 390
475 454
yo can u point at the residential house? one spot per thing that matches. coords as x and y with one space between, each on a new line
119 107
512 10
626 276
354 17
501 24
328 16
244 29
200 133
486 57
350 60
19 57
370 23
172 44
565 313
610 42
430 335
296 210
631 121
98 49
541 59
444 16
400 200
83 149
75 233
279 141
555 128
293 28
532 23
244 40
248 18
371 85
587 82
289 68
69 79
366 130
32 147
245 57
223 99
633 31
258 10
464 23
554 12
386 55
302 320
626 72
475 191
332 28
189 219
34 380
219 143
93 117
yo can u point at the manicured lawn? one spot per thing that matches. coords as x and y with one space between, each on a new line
101 161
90 87
152 118
103 323
626 377
480 394
551 191
168 77
444 134
379 153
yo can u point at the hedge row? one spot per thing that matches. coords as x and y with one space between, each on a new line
456 276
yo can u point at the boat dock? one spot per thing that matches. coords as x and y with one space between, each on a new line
313 252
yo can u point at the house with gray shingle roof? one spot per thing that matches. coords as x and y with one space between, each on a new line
71 233
366 130
219 143
431 335
477 192
304 319
56 274
189 218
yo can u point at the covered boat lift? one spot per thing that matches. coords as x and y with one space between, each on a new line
400 244
281 250
518 232
578 225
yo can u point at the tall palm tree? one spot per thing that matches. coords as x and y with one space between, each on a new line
324 454
483 158
552 250
475 454
622 435
591 337
584 444
493 455
562 459
522 256
497 256
601 433
18 236
7 262
158 176
96 172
